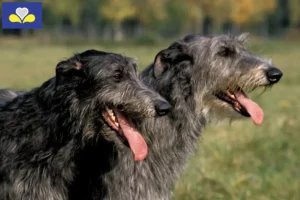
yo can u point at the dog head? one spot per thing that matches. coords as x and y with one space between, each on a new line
108 92
217 71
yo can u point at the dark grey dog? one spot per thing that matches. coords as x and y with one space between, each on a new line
93 98
204 78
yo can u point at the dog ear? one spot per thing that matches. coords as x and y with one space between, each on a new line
67 69
243 37
159 65
174 55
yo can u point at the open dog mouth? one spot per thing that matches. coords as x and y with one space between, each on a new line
242 104
126 130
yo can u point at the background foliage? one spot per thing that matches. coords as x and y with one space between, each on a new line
120 19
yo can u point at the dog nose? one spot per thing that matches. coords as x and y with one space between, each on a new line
163 108
274 75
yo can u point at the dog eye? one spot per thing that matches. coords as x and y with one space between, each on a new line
117 76
226 51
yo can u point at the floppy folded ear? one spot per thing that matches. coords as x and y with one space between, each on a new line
67 69
175 54
159 65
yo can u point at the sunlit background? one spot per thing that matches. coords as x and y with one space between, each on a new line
235 161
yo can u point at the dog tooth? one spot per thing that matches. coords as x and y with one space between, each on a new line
110 112
230 95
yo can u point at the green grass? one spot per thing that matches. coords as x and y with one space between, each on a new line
235 161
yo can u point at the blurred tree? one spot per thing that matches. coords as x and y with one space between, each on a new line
262 16
149 11
216 13
263 9
249 12
194 15
179 17
90 18
117 11
242 11
294 6
65 8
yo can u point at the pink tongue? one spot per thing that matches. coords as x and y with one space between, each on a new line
252 108
135 139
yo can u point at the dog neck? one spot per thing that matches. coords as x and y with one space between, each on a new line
171 140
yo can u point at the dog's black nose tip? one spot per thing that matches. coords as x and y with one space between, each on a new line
163 108
274 75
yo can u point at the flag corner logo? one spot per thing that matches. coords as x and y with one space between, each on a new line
21 15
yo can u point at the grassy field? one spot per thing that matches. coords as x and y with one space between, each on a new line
234 161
